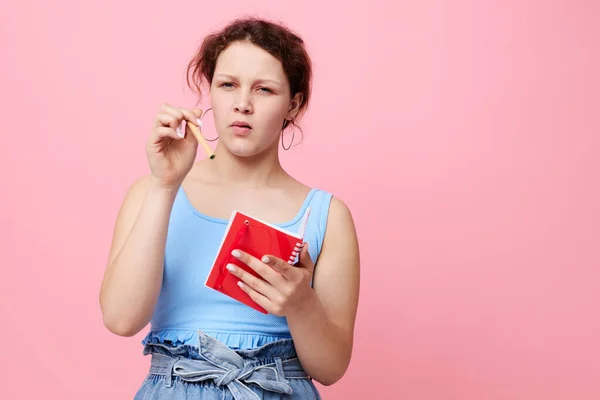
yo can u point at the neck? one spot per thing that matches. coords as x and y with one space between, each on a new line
261 170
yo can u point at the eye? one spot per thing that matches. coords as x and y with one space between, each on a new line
226 84
265 90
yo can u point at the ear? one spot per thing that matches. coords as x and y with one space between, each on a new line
295 105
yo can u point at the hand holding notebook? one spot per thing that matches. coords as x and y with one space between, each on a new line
284 289
254 239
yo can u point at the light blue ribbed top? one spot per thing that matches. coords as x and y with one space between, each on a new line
185 305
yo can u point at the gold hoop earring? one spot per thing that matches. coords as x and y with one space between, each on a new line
202 119
293 135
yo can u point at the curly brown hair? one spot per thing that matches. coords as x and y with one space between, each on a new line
276 39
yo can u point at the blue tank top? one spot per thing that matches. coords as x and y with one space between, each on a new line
185 305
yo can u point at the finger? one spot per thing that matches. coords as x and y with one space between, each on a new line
281 267
198 112
192 115
163 132
268 273
304 260
171 110
170 120
261 300
255 283
177 115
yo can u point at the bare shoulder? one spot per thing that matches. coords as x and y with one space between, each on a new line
339 213
135 194
340 235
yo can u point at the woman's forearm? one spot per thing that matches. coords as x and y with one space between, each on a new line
324 349
133 279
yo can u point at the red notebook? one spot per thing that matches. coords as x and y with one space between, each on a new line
256 238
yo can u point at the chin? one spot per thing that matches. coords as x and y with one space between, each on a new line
247 148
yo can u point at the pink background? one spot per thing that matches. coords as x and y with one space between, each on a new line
465 138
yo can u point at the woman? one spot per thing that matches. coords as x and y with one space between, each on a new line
168 230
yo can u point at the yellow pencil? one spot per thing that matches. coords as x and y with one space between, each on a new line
196 131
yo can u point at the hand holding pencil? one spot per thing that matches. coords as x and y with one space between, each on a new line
171 151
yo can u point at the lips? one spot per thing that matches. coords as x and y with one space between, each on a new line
241 128
241 124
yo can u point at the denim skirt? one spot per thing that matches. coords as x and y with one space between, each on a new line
214 371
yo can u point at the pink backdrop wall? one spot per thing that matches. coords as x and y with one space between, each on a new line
465 138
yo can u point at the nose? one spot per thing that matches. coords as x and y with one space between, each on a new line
243 104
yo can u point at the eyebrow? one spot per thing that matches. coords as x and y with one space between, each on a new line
228 76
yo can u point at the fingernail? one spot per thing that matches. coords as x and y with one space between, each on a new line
181 129
199 122
231 267
240 284
266 259
236 253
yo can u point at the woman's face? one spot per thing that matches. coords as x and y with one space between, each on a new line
250 96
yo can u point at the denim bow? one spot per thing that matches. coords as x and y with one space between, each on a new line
269 377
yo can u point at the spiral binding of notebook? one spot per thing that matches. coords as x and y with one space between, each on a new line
300 245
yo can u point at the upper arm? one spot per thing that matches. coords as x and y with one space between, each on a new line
337 273
127 215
